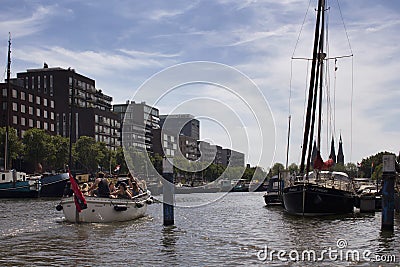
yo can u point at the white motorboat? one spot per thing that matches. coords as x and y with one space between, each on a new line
106 210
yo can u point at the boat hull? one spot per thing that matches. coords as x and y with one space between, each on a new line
53 185
310 200
19 189
104 210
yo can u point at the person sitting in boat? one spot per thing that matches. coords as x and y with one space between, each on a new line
140 183
136 189
112 187
122 192
84 189
101 183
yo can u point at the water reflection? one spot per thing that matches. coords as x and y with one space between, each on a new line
170 236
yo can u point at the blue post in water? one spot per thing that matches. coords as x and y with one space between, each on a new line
168 192
388 178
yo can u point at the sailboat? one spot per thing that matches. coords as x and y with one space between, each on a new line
14 184
321 192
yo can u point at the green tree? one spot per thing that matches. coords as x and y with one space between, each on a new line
15 146
119 159
369 164
351 169
37 146
59 152
293 168
276 169
88 154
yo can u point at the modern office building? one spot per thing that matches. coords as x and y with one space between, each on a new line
137 120
164 143
188 147
187 129
47 94
232 158
181 124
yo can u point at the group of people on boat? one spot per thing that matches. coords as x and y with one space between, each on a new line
102 187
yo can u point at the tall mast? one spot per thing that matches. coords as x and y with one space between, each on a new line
8 103
321 57
311 88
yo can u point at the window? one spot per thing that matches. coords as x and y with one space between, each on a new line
22 108
52 127
33 82
45 126
15 119
4 91
45 84
52 115
30 123
31 110
22 96
26 82
38 83
15 106
4 105
51 85
14 93
30 97
45 114
38 112
45 102
23 121
38 124
51 103
38 100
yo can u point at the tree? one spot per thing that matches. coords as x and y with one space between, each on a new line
368 164
59 152
88 154
15 146
37 147
293 168
351 169
277 168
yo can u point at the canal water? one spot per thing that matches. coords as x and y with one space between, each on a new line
235 230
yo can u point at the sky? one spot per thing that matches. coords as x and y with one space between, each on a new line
253 84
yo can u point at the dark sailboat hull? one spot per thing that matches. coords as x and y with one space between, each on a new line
311 200
19 189
53 185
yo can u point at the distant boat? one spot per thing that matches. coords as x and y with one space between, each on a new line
53 185
273 197
241 185
321 192
14 184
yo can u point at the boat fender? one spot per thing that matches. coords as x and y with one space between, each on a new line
139 204
149 201
59 207
120 207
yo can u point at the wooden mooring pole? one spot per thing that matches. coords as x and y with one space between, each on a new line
388 178
168 191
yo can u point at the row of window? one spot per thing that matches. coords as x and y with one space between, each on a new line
31 110
38 100
39 84
32 123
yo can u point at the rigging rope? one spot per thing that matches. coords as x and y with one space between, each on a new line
301 28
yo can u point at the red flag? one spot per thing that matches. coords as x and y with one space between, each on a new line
319 164
80 201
